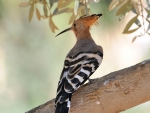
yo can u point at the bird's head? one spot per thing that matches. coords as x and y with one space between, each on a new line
83 24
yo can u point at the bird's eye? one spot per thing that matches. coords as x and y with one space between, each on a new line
74 25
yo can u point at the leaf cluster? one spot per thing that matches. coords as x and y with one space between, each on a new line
136 7
82 7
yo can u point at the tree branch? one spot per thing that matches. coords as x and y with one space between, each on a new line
112 93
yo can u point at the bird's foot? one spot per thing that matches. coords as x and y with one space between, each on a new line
90 81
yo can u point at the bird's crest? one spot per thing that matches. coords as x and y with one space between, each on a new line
86 20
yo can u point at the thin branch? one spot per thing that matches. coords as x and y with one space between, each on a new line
143 17
112 93
142 11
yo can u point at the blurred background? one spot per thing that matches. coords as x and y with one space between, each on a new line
31 57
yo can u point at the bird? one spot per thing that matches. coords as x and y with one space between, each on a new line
80 63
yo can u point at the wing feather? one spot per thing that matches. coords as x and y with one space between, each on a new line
76 71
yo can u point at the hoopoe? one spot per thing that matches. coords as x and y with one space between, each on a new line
80 63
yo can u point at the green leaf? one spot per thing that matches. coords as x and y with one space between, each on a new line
148 11
79 11
76 6
43 16
148 28
123 8
83 10
55 11
38 14
137 22
64 10
45 10
62 3
31 12
52 25
52 2
134 39
136 7
129 24
72 18
130 31
114 4
148 21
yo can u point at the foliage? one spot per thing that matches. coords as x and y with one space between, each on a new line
81 7
137 7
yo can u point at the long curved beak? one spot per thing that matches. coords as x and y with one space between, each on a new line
63 31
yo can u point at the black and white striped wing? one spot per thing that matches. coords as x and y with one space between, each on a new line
76 71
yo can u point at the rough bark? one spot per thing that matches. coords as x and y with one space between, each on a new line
112 93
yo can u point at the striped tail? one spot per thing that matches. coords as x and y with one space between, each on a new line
63 107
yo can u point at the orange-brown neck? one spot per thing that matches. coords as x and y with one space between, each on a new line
83 35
